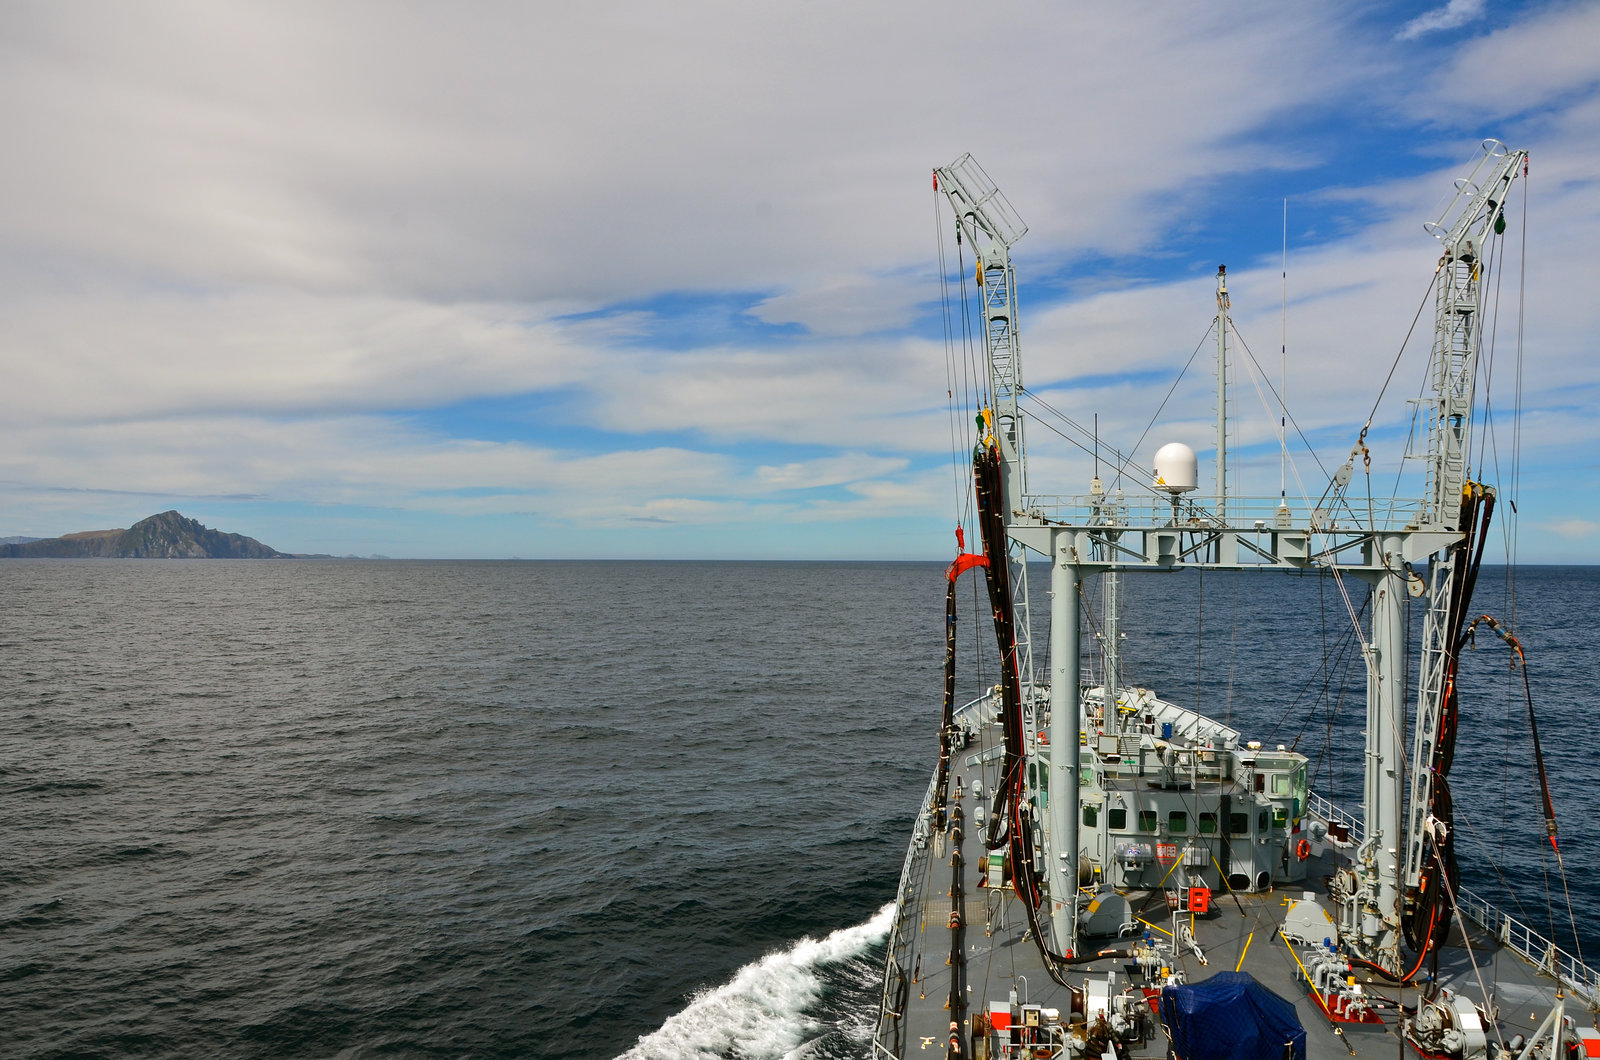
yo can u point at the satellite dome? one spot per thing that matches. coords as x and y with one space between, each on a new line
1177 469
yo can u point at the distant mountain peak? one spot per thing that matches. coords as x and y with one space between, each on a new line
167 535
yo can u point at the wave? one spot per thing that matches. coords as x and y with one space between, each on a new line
761 1012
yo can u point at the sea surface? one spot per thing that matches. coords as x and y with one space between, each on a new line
654 810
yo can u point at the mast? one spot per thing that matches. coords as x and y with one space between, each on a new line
1222 395
1066 708
1111 587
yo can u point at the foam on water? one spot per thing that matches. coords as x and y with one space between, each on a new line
762 1011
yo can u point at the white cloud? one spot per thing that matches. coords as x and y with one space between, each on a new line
1453 15
846 305
240 244
1574 529
830 471
1525 65
127 355
599 153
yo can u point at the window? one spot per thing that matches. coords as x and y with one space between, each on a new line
1177 822
1263 820
1118 819
1280 819
1091 815
1238 824
1280 783
1208 823
1147 820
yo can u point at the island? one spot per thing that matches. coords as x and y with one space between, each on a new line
169 535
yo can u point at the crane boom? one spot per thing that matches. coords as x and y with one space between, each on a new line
1451 502
991 226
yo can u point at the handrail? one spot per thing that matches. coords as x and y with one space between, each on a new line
916 850
1240 513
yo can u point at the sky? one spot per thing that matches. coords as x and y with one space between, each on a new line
641 280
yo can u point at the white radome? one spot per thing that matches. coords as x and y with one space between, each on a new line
1177 468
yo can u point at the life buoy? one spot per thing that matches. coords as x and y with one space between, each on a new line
1302 849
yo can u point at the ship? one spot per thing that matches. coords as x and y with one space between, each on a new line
1097 870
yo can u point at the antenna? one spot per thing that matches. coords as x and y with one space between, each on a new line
1283 356
1222 392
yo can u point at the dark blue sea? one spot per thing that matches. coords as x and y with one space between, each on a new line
397 809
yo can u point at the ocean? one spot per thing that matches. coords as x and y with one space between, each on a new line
588 809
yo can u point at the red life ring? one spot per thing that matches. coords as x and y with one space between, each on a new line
1302 850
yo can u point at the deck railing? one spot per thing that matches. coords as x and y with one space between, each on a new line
1505 928
899 944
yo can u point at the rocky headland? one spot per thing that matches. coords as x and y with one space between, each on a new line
169 535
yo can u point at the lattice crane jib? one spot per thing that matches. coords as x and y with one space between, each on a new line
991 226
1473 216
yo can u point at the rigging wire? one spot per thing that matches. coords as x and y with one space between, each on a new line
1256 381
1486 438
950 363
1273 391
1122 464
1403 343
1513 526
1156 415
1337 658
1117 460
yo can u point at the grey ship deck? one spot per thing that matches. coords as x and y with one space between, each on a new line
1238 931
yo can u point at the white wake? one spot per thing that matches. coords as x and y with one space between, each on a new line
761 1012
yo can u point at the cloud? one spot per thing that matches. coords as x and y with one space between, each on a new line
1453 15
1574 529
684 258
366 150
846 305
1529 64
830 471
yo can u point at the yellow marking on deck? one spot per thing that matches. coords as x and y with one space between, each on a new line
1158 927
1244 951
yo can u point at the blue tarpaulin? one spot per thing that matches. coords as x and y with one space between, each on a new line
1231 1017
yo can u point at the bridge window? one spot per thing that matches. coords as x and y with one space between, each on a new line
1118 819
1147 820
1208 823
1177 822
1091 815
1238 824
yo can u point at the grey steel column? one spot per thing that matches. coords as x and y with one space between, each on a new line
1386 718
1065 707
